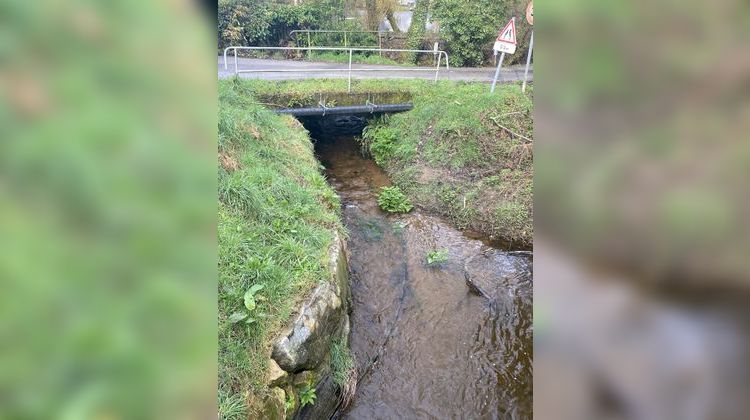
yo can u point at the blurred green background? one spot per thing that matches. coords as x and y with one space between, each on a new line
107 210
642 236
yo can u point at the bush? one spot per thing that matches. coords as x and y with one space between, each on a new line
381 141
393 200
469 28
261 22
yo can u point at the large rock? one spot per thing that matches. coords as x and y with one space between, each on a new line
322 319
494 274
273 406
276 375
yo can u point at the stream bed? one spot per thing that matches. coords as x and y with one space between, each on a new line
452 341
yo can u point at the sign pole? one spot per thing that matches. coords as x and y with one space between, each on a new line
497 71
528 61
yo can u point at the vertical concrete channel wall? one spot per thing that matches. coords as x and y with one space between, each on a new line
301 356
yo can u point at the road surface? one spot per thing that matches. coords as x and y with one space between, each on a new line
484 74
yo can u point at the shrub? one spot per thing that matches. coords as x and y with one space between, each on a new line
393 200
307 396
469 28
381 141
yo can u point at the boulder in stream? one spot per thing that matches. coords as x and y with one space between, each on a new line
492 273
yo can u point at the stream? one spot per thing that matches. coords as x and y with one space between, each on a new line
425 343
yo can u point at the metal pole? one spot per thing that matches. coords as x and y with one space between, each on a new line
235 61
447 64
437 69
225 59
350 70
497 72
528 61
380 43
308 47
345 39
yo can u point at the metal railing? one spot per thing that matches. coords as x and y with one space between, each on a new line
438 53
309 33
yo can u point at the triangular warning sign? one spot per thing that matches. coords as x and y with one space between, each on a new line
506 40
508 34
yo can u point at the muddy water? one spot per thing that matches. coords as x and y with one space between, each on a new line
427 345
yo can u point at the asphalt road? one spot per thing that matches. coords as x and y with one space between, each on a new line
295 70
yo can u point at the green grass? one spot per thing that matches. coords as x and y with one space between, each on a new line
277 217
450 153
342 363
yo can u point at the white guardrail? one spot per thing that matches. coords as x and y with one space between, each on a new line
310 32
350 69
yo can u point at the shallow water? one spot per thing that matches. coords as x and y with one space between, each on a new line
425 344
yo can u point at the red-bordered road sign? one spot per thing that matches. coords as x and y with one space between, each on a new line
506 40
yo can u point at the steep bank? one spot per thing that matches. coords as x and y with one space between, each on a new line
281 264
461 153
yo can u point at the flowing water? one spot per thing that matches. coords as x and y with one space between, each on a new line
426 344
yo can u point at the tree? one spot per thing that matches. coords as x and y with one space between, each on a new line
376 10
415 35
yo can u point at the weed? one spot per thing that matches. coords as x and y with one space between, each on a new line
231 407
342 363
437 257
393 200
382 141
289 403
307 396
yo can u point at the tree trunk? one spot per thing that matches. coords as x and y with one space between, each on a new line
372 16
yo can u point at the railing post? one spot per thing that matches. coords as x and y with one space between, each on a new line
380 44
528 61
345 39
447 65
350 70
236 67
308 46
437 69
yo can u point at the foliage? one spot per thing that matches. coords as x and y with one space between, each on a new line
261 22
437 257
393 200
231 407
415 35
289 403
108 250
307 396
381 140
276 220
469 28
243 22
342 363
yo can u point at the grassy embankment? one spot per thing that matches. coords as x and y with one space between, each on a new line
453 154
277 217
